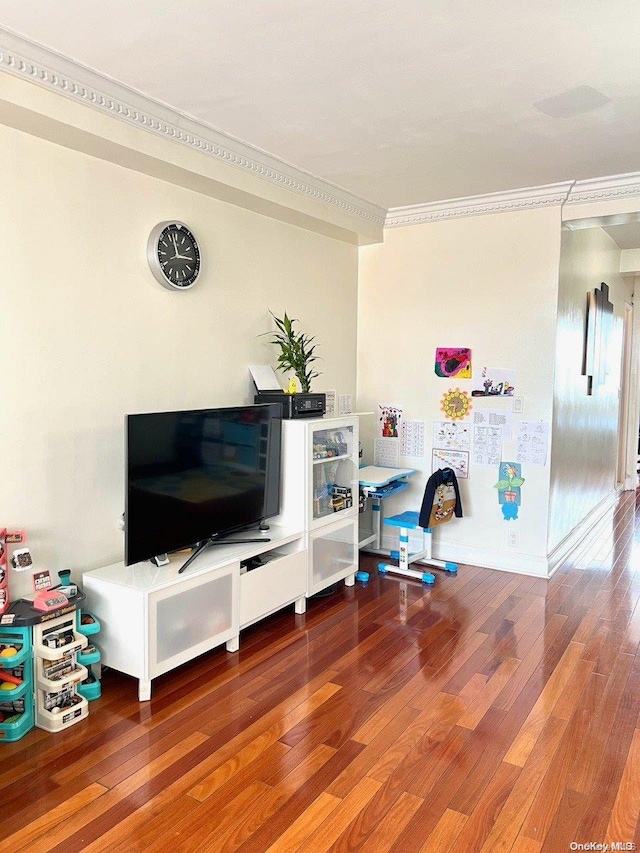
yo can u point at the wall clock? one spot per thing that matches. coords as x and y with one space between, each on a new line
173 255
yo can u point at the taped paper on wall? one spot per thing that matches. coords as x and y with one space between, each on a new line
532 441
330 404
386 452
344 404
412 438
457 460
487 445
495 417
451 435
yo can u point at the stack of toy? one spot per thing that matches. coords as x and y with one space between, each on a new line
90 688
16 683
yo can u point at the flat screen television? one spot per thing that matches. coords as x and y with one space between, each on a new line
194 477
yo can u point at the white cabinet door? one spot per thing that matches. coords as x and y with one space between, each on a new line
270 587
333 554
333 483
188 619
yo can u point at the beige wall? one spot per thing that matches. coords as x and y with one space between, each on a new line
489 283
86 334
585 444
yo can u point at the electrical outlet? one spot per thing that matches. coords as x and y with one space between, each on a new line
512 539
518 405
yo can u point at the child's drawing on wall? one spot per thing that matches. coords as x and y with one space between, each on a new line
453 361
494 382
389 418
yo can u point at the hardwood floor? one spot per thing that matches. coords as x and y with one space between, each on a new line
494 712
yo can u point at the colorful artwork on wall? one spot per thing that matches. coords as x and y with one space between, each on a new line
453 361
494 382
457 460
510 480
455 404
390 419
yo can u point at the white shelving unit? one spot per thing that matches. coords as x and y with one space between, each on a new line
57 673
318 454
154 619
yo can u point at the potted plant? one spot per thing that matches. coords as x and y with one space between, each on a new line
296 350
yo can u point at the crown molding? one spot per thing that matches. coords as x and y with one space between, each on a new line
566 192
604 189
30 61
521 199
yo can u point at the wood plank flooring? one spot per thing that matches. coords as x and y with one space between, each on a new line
494 712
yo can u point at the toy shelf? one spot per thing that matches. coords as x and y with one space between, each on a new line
22 653
90 687
52 653
18 720
89 655
54 717
86 627
16 700
58 674
40 670
55 685
9 693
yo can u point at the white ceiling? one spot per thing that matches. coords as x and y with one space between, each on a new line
626 236
399 102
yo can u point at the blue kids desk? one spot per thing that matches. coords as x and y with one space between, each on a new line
379 483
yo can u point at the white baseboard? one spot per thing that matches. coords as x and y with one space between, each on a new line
518 563
580 532
487 558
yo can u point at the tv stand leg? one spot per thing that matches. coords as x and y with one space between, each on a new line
144 690
233 645
350 579
300 605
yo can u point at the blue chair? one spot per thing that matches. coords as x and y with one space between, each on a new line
407 521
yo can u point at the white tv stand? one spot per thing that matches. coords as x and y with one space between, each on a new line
155 619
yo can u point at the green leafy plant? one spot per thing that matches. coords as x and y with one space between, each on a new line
296 350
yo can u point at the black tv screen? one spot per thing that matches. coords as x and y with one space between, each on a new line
194 475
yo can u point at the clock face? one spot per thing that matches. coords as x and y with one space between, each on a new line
174 256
